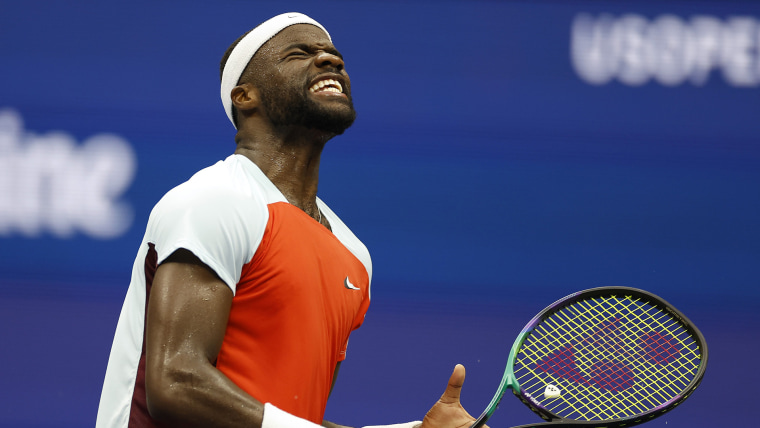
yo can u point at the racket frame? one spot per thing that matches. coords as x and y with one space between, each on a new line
509 381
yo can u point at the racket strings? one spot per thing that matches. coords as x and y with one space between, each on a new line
617 368
613 375
611 357
569 327
584 385
636 360
666 343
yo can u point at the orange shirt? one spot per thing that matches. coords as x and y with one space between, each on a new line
292 314
299 291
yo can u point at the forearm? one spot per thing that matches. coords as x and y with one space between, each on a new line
200 396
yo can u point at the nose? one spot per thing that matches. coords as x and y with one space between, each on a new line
326 59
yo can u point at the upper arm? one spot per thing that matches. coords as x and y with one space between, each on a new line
187 314
219 226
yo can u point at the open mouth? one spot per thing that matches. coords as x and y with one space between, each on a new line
327 85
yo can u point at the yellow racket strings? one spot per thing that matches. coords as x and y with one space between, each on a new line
608 357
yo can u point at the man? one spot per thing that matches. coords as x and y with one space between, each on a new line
246 285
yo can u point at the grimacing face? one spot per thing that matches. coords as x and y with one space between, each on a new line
302 81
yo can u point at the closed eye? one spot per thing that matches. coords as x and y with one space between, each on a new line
298 53
303 49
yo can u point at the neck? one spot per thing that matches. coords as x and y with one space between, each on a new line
290 160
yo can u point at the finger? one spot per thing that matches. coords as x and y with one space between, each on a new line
454 388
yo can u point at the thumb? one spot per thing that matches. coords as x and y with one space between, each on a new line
454 388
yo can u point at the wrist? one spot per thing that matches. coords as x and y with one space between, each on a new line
276 418
413 424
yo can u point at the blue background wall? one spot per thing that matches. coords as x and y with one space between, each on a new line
487 172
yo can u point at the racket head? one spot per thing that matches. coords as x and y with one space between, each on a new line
607 356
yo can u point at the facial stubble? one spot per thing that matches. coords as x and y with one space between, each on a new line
294 106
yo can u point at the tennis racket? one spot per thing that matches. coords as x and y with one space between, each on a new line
604 357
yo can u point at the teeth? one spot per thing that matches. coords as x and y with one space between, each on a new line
327 85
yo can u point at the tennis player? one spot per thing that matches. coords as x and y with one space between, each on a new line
247 286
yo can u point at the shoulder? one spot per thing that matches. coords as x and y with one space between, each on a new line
220 215
226 190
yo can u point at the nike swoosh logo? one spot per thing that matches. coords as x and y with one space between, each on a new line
350 286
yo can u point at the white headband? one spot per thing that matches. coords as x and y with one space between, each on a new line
247 47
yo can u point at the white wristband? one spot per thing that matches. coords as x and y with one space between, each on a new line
404 425
276 418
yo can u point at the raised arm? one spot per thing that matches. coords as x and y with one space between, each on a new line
187 315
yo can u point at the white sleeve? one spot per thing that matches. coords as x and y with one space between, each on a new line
220 226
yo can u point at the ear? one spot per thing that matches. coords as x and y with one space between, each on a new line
245 97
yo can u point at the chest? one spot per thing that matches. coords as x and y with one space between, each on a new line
302 269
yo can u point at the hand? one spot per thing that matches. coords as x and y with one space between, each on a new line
448 411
